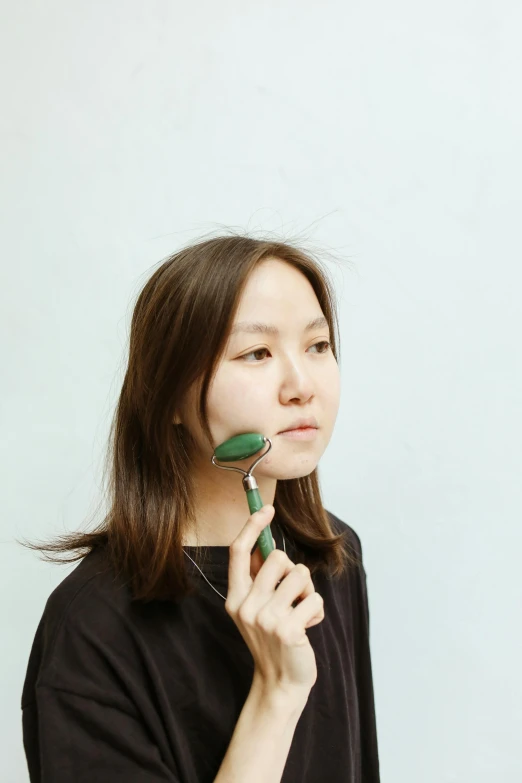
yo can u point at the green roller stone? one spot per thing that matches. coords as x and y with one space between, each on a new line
240 447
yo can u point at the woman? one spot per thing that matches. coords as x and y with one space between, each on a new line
160 657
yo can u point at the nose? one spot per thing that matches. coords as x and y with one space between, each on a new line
297 382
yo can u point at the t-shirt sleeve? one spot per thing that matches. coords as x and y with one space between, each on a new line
369 745
86 712
68 737
360 617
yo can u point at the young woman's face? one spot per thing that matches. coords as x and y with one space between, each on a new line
266 381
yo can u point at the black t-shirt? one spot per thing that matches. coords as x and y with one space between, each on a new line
121 691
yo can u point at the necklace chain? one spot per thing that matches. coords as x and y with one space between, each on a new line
205 578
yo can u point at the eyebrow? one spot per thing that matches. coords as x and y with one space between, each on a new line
256 326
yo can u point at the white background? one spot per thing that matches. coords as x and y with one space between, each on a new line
388 133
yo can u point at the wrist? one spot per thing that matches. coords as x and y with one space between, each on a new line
280 698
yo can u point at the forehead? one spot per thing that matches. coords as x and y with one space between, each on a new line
276 286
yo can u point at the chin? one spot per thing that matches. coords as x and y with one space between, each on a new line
285 472
294 474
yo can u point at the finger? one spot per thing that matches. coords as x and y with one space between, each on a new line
310 611
296 586
240 558
256 561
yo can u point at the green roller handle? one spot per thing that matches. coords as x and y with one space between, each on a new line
264 542
238 448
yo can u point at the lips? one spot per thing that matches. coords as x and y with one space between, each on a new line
300 424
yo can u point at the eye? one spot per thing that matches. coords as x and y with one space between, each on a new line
260 350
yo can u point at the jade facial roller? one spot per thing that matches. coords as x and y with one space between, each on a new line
238 448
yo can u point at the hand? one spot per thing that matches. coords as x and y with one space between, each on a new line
273 602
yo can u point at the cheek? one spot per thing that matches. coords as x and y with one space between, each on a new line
331 394
235 400
333 387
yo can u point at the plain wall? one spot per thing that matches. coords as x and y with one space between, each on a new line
388 133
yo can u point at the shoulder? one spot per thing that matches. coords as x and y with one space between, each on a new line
92 584
358 573
88 632
340 527
86 612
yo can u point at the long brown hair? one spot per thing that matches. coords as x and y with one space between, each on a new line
179 331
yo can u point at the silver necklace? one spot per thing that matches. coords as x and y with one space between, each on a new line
205 578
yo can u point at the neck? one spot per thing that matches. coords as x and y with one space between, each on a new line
221 506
